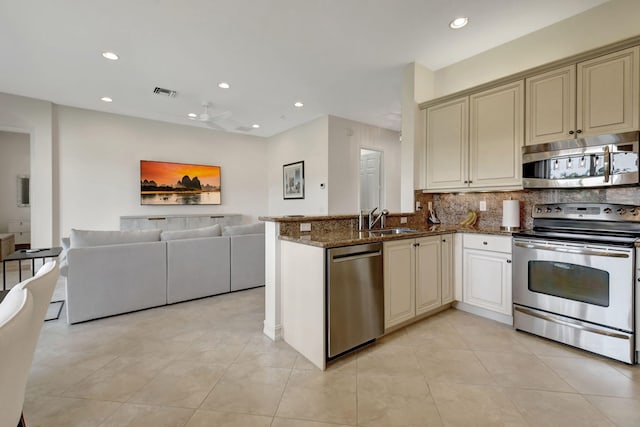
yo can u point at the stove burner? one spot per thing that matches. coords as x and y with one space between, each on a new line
607 223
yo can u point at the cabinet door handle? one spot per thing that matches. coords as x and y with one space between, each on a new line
470 182
508 261
444 240
466 182
571 132
415 245
485 243
579 131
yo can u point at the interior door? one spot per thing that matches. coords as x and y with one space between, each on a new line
370 179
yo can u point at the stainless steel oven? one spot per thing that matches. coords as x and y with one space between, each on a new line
573 277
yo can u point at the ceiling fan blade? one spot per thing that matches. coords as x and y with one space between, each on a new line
224 115
215 126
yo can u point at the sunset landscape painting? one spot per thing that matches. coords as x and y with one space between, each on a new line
164 183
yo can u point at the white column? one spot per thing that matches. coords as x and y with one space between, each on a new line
417 87
272 304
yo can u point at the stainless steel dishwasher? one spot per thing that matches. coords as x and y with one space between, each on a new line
355 297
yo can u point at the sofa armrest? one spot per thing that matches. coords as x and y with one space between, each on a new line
247 261
114 279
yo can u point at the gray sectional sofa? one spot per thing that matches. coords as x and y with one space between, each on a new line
115 272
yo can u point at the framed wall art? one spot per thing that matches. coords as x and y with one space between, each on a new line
293 180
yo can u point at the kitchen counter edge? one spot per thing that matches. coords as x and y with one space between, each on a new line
338 239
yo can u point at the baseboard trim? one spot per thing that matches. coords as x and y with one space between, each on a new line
272 331
498 317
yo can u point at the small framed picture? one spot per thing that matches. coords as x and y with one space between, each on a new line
293 180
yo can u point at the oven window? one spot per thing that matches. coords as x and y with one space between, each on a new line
570 281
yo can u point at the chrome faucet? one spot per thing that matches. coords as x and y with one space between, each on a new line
380 217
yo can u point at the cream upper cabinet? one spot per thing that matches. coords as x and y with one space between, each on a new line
551 106
496 136
594 97
475 142
608 93
448 144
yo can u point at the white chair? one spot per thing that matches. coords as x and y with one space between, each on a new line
22 314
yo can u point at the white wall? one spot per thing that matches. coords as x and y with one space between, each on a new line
612 21
417 85
346 137
99 167
14 161
307 142
34 117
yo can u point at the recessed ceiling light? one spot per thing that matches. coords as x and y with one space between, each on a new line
223 85
110 55
106 99
255 126
459 23
298 104
192 115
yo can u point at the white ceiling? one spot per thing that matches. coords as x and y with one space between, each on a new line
340 57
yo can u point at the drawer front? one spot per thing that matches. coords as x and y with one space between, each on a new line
487 242
22 237
19 226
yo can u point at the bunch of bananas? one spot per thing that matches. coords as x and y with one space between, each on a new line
470 219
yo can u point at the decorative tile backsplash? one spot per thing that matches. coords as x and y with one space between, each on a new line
451 208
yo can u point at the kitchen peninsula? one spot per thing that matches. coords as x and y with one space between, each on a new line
296 272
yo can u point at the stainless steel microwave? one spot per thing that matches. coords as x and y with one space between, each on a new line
599 161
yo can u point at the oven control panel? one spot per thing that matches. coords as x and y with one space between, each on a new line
587 211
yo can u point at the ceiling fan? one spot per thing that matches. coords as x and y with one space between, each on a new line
212 120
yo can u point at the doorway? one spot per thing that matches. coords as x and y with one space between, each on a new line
15 167
371 182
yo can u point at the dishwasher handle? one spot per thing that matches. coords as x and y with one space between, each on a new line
356 255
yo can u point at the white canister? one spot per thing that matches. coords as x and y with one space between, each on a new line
510 215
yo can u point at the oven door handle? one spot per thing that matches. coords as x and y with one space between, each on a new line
571 325
580 251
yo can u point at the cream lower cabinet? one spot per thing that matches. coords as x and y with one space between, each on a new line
487 272
417 277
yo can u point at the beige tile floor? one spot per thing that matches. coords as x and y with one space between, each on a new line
206 363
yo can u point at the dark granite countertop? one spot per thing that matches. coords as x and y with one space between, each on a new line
352 237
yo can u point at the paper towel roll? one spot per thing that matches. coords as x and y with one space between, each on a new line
510 214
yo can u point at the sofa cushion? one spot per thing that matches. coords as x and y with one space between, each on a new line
212 231
65 242
235 230
88 238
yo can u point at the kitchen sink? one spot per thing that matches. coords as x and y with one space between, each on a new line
387 231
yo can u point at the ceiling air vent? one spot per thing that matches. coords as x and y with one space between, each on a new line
162 91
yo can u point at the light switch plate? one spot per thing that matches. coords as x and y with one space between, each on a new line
305 226
483 205
403 220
